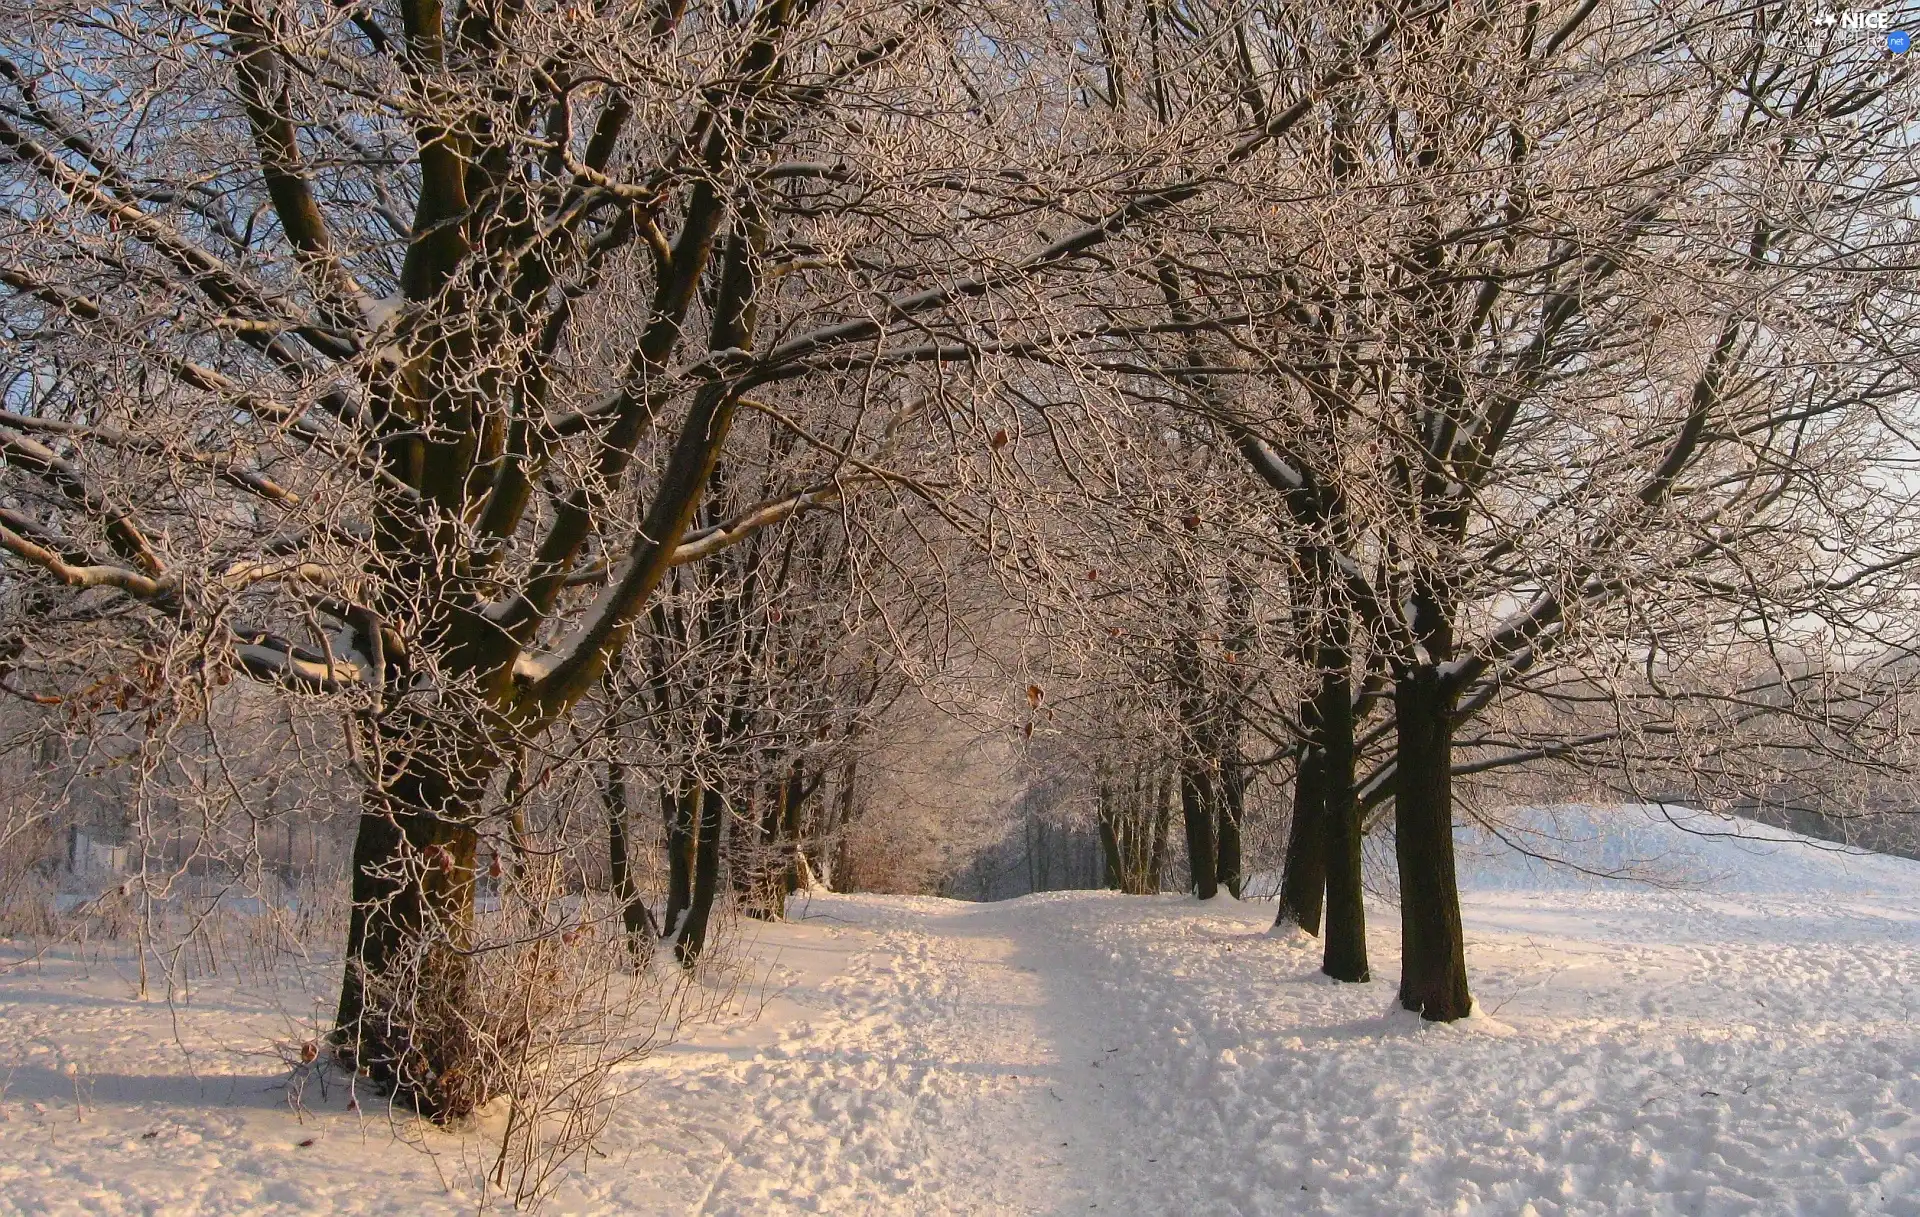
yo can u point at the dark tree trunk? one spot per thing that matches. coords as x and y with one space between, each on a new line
1231 790
681 804
1197 807
791 818
1227 712
403 994
1345 957
692 939
1304 879
1433 970
634 915
1199 753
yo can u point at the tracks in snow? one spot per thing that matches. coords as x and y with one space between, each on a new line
1653 1053
941 1071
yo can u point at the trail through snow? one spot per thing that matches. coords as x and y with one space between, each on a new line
928 1075
1751 1047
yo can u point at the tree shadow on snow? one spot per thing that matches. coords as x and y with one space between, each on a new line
37 1083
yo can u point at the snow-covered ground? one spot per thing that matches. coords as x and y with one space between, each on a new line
1751 1045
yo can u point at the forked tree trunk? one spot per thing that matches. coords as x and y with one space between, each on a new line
1433 968
1304 879
403 994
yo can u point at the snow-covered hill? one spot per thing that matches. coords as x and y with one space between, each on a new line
1579 848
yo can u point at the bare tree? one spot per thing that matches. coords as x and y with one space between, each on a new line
387 355
1518 360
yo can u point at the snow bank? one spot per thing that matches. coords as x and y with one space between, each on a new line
1580 848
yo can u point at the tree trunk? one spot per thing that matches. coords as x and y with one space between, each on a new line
1162 831
1345 957
764 863
1136 848
1227 710
840 873
1196 806
634 916
1107 816
1115 866
1433 970
1304 878
681 805
791 818
692 939
404 990
1230 791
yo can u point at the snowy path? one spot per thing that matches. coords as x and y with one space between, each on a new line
925 1077
1643 1052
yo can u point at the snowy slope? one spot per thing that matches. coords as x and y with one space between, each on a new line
1747 1045
1575 848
